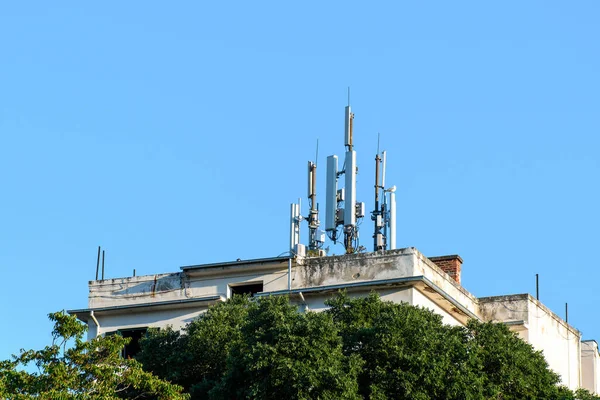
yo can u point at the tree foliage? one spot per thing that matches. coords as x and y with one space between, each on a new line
71 368
360 348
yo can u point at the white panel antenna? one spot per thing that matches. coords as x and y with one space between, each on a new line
350 189
392 221
331 194
294 226
349 117
350 202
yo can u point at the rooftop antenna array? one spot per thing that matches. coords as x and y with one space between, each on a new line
335 215
343 213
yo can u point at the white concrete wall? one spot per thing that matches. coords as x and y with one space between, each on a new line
544 330
590 362
559 342
419 299
176 318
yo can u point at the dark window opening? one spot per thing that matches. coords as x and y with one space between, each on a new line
131 349
250 288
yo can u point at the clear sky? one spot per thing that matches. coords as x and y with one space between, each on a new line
177 133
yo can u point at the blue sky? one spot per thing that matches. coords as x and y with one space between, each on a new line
178 133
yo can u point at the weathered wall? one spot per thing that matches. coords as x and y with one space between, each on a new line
418 299
136 290
200 286
590 362
324 271
542 329
177 318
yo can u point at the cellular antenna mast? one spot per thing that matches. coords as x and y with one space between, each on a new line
315 237
347 216
384 216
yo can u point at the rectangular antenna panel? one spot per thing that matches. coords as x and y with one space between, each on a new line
294 226
300 250
310 179
320 236
350 189
331 193
348 127
340 216
392 220
360 210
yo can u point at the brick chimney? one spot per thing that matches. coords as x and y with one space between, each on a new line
450 265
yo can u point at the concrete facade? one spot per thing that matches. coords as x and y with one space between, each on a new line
590 364
403 275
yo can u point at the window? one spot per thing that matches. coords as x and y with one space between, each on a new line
249 288
136 334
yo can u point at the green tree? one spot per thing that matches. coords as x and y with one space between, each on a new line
71 368
408 352
510 367
197 359
359 348
284 354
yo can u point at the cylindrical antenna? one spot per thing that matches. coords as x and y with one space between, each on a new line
310 179
331 194
102 264
98 263
134 272
377 185
567 313
537 287
350 189
348 121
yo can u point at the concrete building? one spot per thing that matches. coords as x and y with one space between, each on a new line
131 305
590 365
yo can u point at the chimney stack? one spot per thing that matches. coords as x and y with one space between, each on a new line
450 265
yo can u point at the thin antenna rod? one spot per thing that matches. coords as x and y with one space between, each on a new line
567 313
537 287
102 264
98 263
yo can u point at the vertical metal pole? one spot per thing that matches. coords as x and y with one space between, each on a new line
376 213
98 263
392 220
134 272
102 264
568 343
537 286
290 274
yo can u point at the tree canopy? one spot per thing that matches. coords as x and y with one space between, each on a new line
71 368
360 348
265 348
